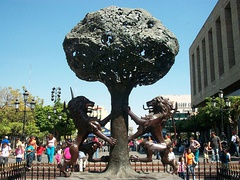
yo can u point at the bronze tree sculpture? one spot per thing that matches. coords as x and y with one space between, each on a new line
122 48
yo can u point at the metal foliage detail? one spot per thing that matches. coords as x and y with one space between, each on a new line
117 45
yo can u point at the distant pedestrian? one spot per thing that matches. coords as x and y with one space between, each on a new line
167 139
206 153
181 168
29 150
40 150
18 142
5 140
95 139
67 155
33 143
19 153
190 163
215 145
195 145
58 156
82 161
6 151
226 158
171 157
51 144
234 143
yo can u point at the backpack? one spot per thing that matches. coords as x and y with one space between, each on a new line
237 139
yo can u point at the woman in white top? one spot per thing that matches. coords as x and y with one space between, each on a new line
6 151
51 144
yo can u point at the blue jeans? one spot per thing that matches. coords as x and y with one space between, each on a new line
191 170
215 154
50 154
236 148
29 158
39 158
18 160
181 175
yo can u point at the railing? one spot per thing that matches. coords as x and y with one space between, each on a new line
13 171
48 172
230 172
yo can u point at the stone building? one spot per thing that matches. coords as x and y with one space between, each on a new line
215 54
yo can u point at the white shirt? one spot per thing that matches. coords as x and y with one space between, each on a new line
6 151
19 153
51 143
171 156
234 138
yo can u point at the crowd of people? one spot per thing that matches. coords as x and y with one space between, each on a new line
32 150
189 150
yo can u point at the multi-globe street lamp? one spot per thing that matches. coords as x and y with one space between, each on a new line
54 120
223 102
55 94
25 110
55 97
194 122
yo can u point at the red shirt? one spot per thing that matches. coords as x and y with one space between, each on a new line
40 150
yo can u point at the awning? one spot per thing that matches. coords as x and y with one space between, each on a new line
105 131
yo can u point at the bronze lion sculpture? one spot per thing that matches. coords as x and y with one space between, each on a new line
160 110
78 109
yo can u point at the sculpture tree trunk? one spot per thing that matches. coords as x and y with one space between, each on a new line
119 155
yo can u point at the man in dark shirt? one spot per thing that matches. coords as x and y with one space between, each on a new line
215 145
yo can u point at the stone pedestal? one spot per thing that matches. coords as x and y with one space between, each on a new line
100 176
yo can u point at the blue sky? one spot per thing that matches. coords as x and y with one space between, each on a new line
31 52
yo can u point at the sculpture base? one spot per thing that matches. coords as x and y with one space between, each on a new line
100 176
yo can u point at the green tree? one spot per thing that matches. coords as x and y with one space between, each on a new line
11 122
235 112
54 125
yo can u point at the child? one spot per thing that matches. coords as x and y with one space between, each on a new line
40 150
181 168
67 155
226 158
205 153
19 152
58 156
29 150
189 157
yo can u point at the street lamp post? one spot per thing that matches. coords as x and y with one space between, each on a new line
55 97
26 103
54 120
222 103
193 111
55 94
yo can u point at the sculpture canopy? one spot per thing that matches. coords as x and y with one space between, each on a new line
115 45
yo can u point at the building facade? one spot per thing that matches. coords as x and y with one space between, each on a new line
183 102
215 54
